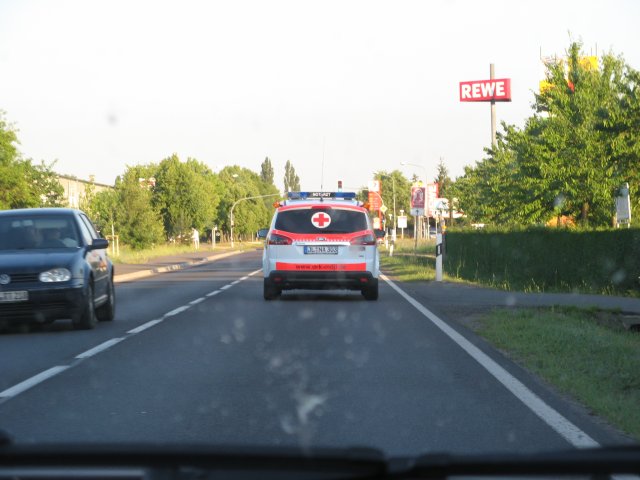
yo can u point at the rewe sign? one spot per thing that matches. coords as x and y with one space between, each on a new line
498 90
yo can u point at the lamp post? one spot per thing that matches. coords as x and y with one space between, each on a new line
426 182
242 200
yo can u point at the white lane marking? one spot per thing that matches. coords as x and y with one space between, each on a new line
549 415
32 382
42 376
144 326
176 311
100 348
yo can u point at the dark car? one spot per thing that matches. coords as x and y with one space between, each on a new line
54 265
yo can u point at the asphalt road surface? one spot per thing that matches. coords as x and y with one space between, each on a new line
198 356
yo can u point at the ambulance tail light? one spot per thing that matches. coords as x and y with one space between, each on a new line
275 239
368 239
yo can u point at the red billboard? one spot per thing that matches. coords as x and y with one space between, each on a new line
498 89
375 201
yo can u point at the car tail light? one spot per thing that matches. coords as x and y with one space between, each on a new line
368 239
275 239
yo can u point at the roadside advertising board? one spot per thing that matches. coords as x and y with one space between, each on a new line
498 90
418 196
432 196
375 201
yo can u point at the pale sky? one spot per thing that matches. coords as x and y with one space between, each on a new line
102 85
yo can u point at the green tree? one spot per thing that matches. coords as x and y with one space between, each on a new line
266 172
443 180
291 180
139 224
104 207
572 155
402 192
186 195
24 184
249 215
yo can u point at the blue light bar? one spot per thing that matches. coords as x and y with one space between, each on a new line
306 195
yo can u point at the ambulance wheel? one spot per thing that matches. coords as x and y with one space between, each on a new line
270 291
371 292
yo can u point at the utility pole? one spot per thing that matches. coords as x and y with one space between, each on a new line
493 109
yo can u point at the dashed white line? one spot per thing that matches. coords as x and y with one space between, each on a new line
42 376
33 381
549 415
144 326
100 348
176 311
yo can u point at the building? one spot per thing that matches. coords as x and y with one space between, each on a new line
75 189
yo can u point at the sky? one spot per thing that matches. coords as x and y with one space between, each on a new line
340 88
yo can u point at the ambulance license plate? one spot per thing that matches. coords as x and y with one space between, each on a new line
320 250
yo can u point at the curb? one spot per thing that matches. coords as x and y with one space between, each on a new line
128 277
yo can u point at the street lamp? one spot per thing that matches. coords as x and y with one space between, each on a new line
241 200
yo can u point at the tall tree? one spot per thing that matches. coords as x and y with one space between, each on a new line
442 179
139 224
266 172
291 180
24 184
185 194
573 153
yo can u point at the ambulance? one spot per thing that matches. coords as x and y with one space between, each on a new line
318 241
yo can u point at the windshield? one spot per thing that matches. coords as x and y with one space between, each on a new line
467 281
37 233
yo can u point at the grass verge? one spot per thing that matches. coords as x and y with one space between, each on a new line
587 354
130 256
409 268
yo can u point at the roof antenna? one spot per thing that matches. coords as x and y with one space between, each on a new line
322 173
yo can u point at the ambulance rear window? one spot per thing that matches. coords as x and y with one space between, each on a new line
331 220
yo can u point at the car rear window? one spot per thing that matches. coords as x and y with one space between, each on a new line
340 221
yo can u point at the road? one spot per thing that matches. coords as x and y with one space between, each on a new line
198 356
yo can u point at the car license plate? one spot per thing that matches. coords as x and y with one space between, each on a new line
11 297
320 250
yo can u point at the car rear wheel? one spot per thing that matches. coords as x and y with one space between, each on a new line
271 292
107 312
371 292
86 318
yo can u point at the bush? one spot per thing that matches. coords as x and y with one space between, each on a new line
546 259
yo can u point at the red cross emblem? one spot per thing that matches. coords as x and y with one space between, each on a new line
321 220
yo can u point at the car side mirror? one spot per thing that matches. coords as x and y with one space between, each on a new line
379 233
99 244
262 233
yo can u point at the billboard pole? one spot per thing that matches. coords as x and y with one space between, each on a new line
493 109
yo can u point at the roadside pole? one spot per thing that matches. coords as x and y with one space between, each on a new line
492 76
438 257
